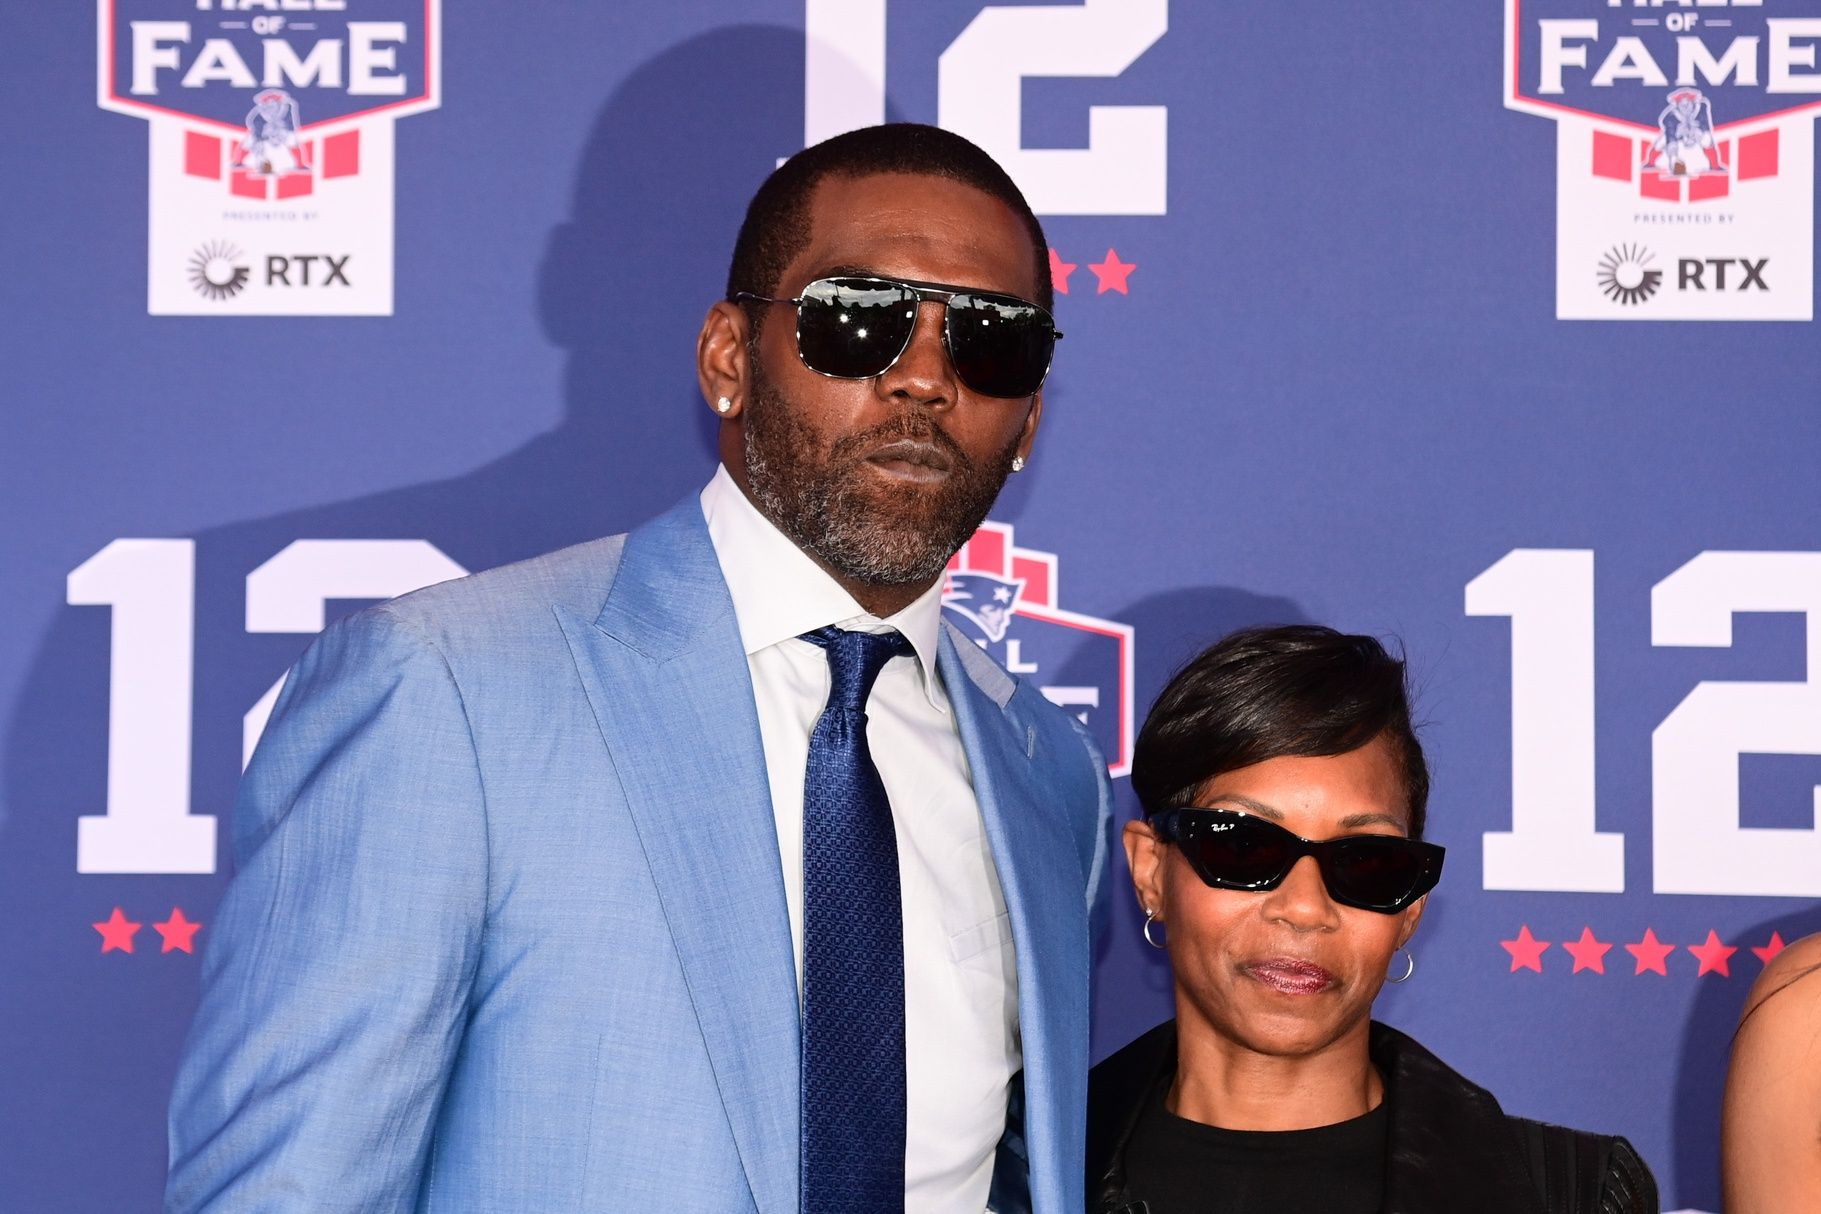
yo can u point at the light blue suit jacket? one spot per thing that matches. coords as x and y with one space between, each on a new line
509 930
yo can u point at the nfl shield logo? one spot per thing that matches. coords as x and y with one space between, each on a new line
1005 599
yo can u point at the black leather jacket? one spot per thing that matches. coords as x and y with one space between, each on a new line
1451 1147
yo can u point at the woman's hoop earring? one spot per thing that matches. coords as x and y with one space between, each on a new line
1409 965
1150 917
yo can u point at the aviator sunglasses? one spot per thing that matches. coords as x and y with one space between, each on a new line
1231 850
858 327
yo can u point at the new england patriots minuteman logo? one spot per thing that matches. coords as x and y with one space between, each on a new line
1004 599
1684 146
271 146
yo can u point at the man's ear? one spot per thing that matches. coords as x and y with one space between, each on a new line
1030 425
1145 854
723 366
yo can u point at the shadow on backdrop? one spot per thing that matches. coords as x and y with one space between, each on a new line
621 290
1131 980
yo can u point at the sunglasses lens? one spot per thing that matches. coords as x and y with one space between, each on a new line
853 328
1380 874
1001 346
1240 852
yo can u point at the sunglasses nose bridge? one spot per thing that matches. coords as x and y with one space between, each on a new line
923 370
1301 900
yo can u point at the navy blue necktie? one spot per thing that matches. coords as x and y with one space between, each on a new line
853 950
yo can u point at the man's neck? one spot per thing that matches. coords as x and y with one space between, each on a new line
882 601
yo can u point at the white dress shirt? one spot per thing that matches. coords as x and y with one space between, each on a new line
960 978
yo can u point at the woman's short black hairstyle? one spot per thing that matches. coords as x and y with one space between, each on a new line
777 219
1269 692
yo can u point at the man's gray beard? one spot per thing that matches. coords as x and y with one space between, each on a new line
843 516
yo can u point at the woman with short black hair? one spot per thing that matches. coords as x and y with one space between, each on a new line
1281 855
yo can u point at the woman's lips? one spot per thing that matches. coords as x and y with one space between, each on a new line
1290 975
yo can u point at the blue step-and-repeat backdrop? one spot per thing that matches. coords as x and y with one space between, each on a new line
1487 326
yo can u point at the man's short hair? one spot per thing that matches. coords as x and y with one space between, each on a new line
777 219
1266 693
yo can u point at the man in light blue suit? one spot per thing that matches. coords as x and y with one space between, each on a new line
566 887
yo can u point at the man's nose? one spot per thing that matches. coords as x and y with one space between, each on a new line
923 374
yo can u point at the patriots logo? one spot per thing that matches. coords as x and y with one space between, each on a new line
986 600
1003 597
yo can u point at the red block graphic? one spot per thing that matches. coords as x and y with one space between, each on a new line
1757 156
1038 578
201 155
295 185
1652 186
985 552
248 186
1709 185
341 154
1612 156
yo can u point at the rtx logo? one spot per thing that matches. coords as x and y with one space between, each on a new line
217 272
307 270
1626 276
1714 274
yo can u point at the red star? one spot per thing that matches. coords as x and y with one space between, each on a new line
1770 950
1112 273
1651 953
1588 953
1526 951
117 932
1713 955
1059 272
178 932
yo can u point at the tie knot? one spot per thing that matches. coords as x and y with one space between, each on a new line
855 660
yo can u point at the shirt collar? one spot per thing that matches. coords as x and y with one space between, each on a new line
779 593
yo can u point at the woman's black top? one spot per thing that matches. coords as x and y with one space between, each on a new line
1445 1147
1177 1166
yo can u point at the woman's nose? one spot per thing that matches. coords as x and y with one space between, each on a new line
1301 901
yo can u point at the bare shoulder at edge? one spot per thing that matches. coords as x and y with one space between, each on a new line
1793 965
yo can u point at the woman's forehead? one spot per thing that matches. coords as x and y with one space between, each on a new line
1317 795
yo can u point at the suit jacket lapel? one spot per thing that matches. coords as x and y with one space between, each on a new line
668 681
1044 891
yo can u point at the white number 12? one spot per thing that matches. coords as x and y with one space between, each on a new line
979 88
151 586
1700 845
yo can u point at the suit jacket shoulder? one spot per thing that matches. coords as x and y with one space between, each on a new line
1061 745
510 598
